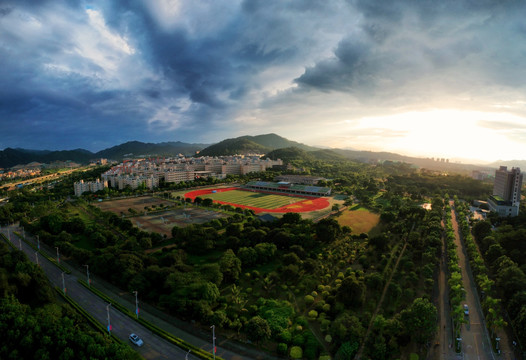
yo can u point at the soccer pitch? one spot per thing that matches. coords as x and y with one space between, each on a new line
255 199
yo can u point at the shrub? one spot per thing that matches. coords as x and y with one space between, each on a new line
313 314
302 321
298 339
296 352
309 299
413 356
285 336
326 307
282 348
328 338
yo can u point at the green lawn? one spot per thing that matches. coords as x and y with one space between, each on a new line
248 198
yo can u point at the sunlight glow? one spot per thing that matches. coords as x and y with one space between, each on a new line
450 134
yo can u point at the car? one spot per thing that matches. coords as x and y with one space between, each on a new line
466 309
135 339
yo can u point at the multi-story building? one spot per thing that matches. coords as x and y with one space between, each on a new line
90 186
506 191
183 169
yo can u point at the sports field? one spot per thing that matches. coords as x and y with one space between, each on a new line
248 198
261 201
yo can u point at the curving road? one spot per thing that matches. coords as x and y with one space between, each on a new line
155 348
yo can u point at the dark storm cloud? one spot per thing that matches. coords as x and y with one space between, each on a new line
170 70
404 42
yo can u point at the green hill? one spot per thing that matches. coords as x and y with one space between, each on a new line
293 153
260 144
233 147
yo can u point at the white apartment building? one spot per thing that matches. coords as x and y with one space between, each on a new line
90 186
133 172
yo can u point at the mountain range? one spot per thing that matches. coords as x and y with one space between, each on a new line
274 146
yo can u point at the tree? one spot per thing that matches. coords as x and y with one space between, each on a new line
420 319
328 230
257 329
352 291
230 266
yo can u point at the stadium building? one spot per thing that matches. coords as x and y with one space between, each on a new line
288 188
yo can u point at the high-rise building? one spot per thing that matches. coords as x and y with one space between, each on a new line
506 191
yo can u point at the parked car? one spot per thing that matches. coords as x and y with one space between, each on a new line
466 310
136 340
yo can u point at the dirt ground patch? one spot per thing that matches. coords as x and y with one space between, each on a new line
158 221
360 220
163 222
136 203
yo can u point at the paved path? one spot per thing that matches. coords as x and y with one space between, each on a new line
155 347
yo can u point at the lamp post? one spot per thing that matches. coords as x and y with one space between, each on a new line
23 232
58 256
63 284
136 305
87 273
38 242
186 357
36 257
20 244
108 312
213 327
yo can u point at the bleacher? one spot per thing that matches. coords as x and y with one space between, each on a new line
289 188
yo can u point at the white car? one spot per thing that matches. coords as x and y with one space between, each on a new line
136 340
466 310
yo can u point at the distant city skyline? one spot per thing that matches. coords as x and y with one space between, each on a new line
428 79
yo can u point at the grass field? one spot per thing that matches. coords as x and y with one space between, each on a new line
248 198
359 219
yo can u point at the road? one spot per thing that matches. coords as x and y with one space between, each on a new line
475 338
155 348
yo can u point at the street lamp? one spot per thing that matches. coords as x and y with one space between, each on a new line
63 284
186 357
87 273
20 244
213 327
108 312
36 256
38 242
58 257
136 305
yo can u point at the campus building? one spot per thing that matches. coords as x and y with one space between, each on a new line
131 172
90 186
506 196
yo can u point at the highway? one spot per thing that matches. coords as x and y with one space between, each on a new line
155 348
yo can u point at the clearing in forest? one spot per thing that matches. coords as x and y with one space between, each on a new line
359 219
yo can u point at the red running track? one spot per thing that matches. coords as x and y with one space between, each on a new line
309 204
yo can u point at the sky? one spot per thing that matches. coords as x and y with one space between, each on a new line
417 77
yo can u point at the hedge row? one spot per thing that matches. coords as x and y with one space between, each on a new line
456 289
8 242
162 333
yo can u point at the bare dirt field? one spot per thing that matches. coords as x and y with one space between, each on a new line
163 222
159 221
136 203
